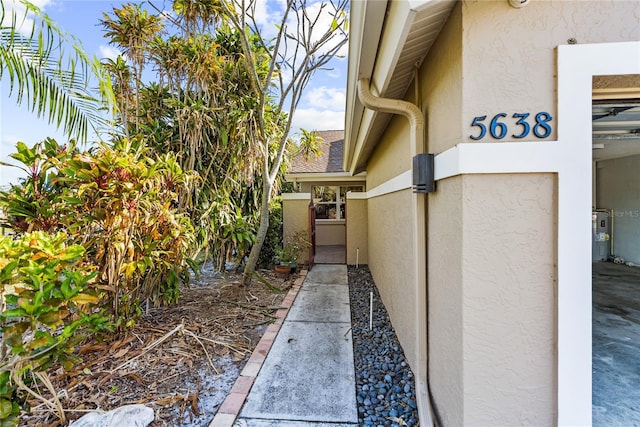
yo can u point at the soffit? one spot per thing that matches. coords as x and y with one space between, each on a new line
408 32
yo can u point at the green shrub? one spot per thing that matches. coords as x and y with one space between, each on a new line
50 302
121 205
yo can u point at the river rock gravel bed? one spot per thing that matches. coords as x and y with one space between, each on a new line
385 387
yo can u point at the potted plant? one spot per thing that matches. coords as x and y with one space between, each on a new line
290 252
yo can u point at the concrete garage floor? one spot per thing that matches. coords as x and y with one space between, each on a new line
616 345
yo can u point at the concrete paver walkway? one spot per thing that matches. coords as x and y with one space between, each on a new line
308 377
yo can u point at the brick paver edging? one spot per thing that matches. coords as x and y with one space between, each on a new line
230 408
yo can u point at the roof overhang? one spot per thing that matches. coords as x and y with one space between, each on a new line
325 177
388 40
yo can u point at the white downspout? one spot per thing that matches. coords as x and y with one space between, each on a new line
416 121
395 106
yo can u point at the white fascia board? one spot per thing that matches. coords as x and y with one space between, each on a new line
356 25
362 134
324 177
398 22
366 16
296 196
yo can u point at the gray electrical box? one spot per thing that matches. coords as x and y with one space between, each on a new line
423 173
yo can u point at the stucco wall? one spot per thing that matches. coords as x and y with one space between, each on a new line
392 155
441 86
330 233
357 231
509 59
491 238
391 255
391 240
508 257
441 89
295 216
444 280
618 188
492 299
391 261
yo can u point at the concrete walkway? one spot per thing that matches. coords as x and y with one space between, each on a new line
616 344
308 378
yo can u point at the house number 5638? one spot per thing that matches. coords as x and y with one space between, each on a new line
498 128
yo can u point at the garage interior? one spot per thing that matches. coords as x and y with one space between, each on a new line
616 250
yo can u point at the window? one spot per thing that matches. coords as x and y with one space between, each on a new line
330 201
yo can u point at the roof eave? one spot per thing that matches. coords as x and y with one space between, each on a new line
362 57
386 51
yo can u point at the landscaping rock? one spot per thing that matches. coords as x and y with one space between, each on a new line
385 386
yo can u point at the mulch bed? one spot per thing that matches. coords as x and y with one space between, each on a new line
181 360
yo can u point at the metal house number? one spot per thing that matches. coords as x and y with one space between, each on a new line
498 129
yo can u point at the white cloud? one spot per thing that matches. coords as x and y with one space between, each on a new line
42 4
330 98
24 23
9 140
268 15
108 52
316 119
325 16
261 16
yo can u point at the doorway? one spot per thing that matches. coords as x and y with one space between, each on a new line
616 250
331 222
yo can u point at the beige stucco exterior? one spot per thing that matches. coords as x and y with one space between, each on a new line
509 57
357 230
508 299
491 238
295 209
331 233
392 155
391 259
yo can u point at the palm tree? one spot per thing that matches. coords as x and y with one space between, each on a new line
46 79
121 74
132 29
310 142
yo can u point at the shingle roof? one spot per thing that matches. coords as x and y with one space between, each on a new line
329 161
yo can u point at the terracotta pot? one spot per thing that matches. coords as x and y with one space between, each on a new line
283 270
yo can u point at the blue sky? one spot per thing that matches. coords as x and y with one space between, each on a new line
321 108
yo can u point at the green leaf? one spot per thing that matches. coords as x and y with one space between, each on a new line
7 271
6 408
72 253
224 135
14 313
6 387
85 299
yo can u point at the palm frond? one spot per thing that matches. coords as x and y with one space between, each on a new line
49 81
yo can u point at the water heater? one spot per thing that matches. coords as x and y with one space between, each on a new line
601 235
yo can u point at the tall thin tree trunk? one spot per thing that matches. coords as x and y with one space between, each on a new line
262 232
